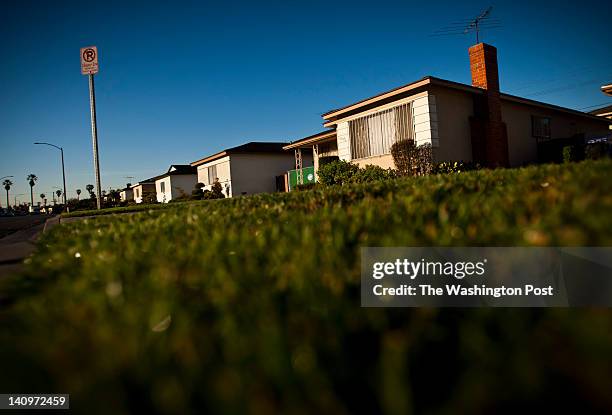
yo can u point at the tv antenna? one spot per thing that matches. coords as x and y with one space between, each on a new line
474 25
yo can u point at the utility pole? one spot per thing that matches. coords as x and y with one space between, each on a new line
89 66
63 170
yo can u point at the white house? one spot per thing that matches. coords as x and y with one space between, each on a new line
178 181
142 189
461 122
246 169
126 194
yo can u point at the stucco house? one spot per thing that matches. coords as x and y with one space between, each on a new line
179 180
126 194
141 189
250 168
461 122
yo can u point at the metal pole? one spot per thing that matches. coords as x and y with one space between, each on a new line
63 176
94 137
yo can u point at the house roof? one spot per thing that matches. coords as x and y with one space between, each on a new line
607 110
323 136
332 116
253 147
607 89
177 169
148 181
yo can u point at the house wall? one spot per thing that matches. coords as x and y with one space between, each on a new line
454 109
142 188
424 124
223 174
166 195
126 195
182 184
256 173
522 146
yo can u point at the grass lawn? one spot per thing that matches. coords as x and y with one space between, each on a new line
251 304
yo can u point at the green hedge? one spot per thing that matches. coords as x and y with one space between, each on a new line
251 304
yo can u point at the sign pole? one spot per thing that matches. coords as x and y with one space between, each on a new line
89 67
94 137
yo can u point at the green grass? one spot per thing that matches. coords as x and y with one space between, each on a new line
251 304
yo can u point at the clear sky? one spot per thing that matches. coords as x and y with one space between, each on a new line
181 80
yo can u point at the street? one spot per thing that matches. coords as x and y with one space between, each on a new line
17 241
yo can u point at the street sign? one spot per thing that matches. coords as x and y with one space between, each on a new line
89 60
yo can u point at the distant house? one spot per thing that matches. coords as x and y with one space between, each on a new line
250 168
142 189
461 122
126 194
179 180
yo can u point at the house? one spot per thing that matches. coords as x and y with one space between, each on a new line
254 167
179 180
461 122
607 89
143 189
126 194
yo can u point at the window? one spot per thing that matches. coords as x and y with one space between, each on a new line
212 174
137 191
540 127
162 187
374 134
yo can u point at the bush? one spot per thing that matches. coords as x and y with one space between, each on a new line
372 173
327 159
454 167
306 186
252 304
410 159
337 172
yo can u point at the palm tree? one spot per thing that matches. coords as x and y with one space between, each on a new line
42 196
89 188
58 193
31 181
7 186
78 194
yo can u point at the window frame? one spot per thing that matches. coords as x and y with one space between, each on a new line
539 130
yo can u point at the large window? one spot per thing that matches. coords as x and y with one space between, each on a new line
212 174
540 127
374 134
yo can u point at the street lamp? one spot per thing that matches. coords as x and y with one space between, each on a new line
63 171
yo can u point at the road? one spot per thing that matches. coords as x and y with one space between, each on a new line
12 224
20 233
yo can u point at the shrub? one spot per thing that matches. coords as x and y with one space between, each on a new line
306 186
327 159
337 172
410 159
454 167
372 173
198 193
252 304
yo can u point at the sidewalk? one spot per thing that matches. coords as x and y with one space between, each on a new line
17 246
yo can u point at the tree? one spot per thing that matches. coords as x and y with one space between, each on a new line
31 181
78 192
7 186
90 188
42 196
58 193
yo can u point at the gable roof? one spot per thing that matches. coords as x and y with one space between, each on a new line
253 147
176 169
602 111
332 116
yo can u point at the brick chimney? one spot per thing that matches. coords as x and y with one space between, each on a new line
489 135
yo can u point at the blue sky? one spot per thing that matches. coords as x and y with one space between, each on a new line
181 80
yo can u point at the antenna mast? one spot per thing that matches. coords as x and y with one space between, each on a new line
465 26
